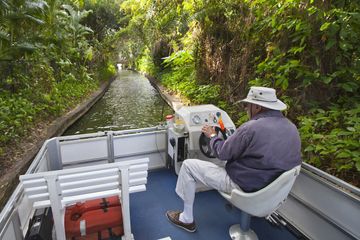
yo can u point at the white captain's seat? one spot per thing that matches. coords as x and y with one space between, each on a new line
261 203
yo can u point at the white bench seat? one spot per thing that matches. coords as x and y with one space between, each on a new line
61 188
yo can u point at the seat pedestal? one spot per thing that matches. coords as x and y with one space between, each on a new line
236 233
260 203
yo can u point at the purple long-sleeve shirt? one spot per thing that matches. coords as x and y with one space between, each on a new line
260 150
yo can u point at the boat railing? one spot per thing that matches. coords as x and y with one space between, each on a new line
332 205
67 152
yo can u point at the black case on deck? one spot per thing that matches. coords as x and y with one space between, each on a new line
41 225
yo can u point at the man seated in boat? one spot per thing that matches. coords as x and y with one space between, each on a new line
256 154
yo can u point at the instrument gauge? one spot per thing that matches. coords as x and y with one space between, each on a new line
196 119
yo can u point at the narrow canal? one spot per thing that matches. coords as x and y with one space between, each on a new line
131 102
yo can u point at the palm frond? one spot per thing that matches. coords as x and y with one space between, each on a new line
33 19
4 5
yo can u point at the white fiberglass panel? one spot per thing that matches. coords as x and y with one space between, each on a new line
43 163
10 233
139 143
25 211
83 150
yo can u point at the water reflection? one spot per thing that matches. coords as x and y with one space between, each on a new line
131 102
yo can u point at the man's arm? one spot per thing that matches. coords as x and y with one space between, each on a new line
233 147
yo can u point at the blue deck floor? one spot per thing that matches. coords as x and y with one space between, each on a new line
212 218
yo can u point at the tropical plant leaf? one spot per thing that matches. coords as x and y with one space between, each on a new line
27 47
37 5
4 36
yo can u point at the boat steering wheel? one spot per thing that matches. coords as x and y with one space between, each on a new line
204 142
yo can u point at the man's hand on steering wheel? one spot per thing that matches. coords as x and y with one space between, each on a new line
204 140
208 130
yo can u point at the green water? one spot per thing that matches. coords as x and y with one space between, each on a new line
131 102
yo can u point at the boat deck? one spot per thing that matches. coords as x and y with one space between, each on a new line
212 214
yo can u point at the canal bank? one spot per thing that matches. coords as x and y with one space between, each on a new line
22 154
175 101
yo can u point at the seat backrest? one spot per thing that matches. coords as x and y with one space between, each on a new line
84 183
263 202
56 189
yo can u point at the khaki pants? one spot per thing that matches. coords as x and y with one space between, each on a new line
196 175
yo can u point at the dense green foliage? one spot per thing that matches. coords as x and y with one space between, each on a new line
52 55
212 51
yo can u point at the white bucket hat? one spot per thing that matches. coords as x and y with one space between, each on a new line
265 97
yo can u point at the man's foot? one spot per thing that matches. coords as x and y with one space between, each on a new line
173 217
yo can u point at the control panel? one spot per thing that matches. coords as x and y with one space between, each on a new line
202 118
184 136
194 117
